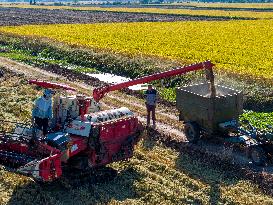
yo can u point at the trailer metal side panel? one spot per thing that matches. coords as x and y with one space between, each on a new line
195 104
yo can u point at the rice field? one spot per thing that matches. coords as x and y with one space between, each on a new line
156 174
239 47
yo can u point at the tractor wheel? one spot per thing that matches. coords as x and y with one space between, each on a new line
192 132
257 155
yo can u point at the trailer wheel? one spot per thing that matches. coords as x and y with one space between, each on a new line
192 132
257 155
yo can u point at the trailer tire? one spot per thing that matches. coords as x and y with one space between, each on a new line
192 132
257 155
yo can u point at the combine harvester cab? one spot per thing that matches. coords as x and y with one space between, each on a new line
18 154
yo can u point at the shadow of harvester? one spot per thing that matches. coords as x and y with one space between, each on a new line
202 168
120 188
210 171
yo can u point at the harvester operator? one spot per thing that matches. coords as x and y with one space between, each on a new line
42 111
151 97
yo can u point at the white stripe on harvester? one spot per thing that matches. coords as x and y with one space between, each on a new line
58 137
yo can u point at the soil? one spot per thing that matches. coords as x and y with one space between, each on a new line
22 16
195 7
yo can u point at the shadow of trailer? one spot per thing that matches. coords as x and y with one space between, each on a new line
217 117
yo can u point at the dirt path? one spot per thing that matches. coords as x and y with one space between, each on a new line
28 71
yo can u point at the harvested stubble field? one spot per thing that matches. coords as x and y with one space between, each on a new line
262 7
205 12
25 16
155 175
193 12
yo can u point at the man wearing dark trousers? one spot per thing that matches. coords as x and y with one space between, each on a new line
42 111
151 97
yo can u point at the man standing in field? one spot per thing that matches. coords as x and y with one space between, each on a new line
151 97
42 111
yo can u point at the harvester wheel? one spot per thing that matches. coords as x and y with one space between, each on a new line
257 155
192 132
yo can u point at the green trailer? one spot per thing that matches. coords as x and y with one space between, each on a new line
217 114
196 104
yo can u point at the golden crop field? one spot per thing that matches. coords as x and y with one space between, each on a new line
214 13
195 4
239 47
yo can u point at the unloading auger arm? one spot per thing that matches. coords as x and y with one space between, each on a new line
99 93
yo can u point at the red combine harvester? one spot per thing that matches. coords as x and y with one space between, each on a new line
81 136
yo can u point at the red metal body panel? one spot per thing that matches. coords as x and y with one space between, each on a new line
51 85
117 139
99 93
45 159
77 145
84 105
46 149
16 147
50 168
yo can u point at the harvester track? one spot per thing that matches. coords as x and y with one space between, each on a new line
13 160
73 178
